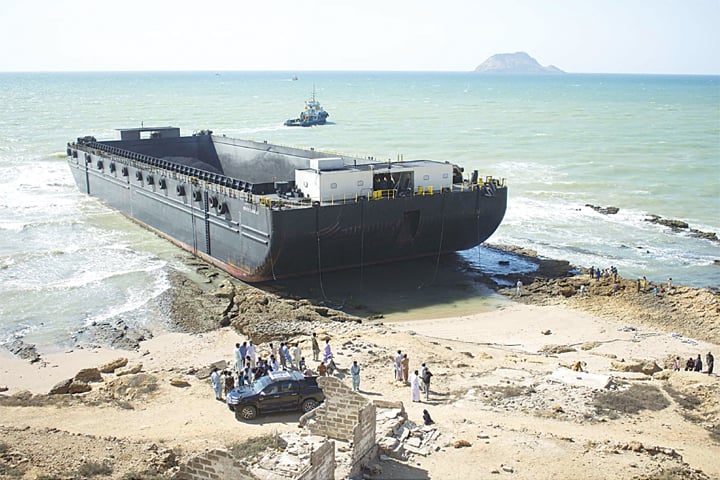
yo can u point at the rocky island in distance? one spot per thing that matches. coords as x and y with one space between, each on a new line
515 63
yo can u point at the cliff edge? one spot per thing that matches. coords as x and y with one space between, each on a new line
518 63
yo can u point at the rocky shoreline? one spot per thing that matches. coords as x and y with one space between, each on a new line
512 385
211 299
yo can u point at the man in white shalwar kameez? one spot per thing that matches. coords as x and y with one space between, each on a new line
252 353
216 383
328 352
397 364
415 387
297 355
239 360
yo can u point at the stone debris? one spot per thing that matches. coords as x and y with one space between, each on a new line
400 438
287 462
110 367
584 379
130 370
88 375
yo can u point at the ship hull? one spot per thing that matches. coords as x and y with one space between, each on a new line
258 240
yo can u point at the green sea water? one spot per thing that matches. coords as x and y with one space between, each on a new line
644 144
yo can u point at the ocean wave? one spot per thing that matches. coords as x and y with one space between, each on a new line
86 278
136 298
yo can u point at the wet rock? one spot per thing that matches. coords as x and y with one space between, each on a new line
675 225
604 210
712 236
116 334
23 350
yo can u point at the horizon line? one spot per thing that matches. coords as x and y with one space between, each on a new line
560 73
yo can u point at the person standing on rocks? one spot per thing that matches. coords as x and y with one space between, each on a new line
239 358
397 366
518 288
710 360
426 383
252 353
229 381
355 372
288 359
283 358
415 387
423 367
405 363
297 356
315 347
328 352
216 383
698 364
273 350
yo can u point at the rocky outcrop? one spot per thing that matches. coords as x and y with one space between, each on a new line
110 367
88 375
647 367
116 334
23 350
129 370
690 311
679 226
515 63
603 210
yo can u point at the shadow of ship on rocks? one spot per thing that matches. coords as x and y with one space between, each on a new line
396 288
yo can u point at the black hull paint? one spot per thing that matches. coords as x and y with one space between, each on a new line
256 241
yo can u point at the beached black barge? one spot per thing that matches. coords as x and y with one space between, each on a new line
262 211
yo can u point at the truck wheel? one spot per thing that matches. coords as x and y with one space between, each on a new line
248 412
309 404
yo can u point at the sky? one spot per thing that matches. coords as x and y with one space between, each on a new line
582 36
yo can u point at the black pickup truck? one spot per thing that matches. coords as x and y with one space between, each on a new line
274 392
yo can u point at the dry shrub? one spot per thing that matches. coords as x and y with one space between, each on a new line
92 468
253 446
614 403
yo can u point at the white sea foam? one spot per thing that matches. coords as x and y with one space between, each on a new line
561 143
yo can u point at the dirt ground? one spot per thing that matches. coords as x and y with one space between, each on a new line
502 383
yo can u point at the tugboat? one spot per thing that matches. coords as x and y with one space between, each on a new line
312 115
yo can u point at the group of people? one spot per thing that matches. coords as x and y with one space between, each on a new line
696 364
597 273
249 365
418 381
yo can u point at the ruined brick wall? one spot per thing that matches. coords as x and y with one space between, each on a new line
339 414
216 464
322 464
364 445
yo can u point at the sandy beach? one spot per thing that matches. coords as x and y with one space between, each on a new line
496 385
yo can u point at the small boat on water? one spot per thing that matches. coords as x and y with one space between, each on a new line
312 115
